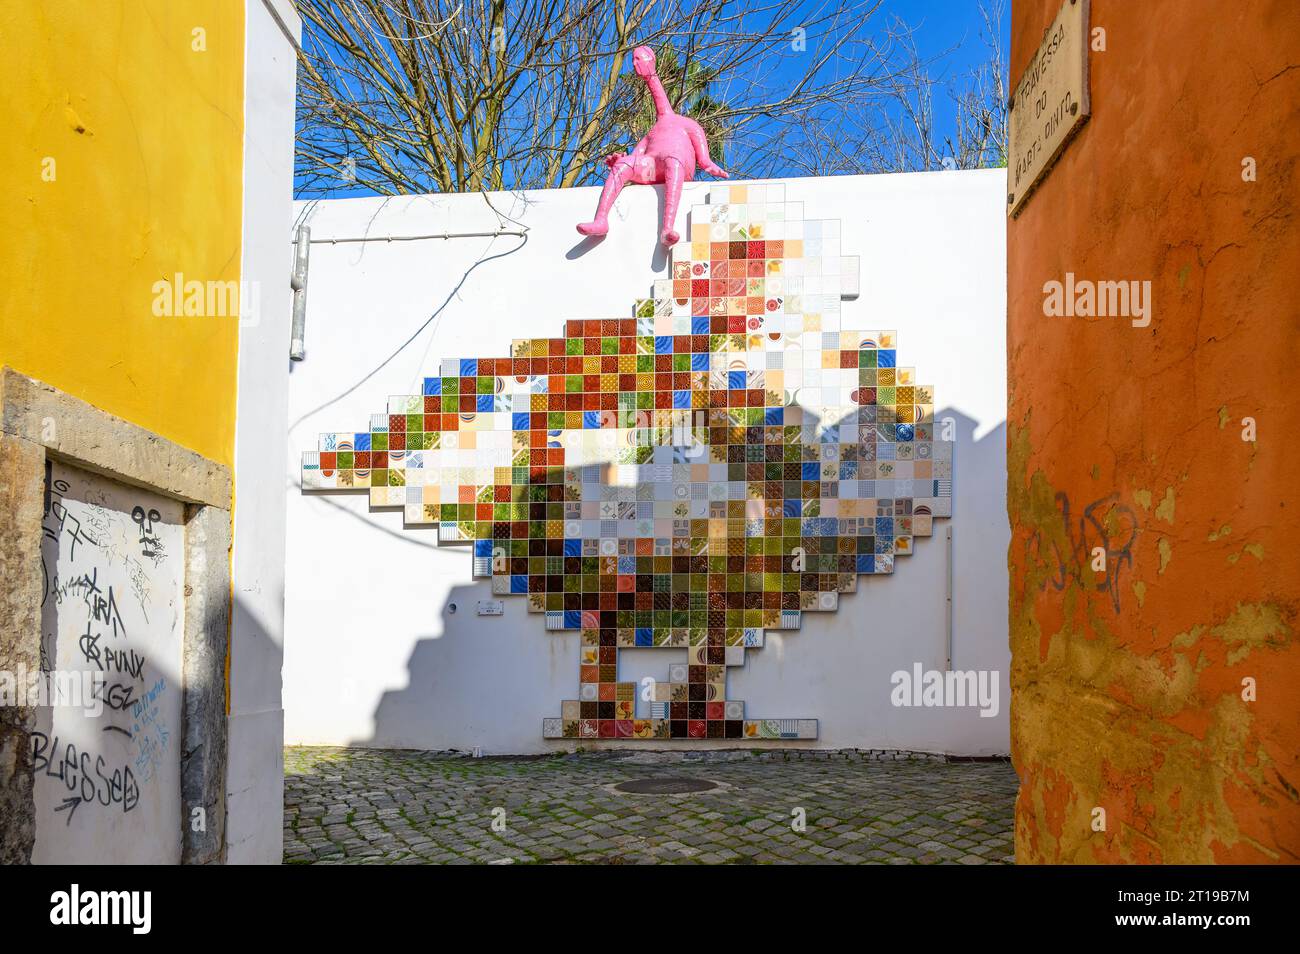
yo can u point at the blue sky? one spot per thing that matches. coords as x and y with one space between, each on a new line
948 31
944 25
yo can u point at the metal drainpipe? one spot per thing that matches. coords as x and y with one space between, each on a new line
948 593
298 282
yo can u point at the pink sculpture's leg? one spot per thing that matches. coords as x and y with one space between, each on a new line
674 175
619 174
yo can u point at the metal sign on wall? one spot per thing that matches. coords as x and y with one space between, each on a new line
1050 102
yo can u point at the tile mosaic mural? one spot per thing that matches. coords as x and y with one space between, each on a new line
713 467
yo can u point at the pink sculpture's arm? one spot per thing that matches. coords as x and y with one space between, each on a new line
701 144
638 150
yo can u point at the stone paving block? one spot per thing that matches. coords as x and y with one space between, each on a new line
364 806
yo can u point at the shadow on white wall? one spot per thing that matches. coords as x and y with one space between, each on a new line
465 680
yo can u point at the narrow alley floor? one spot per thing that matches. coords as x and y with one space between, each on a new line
375 806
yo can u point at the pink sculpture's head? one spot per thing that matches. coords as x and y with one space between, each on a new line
643 61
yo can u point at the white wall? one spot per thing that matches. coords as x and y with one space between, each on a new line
255 773
372 654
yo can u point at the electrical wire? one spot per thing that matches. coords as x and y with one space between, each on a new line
522 234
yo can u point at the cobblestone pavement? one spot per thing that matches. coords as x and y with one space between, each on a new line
401 807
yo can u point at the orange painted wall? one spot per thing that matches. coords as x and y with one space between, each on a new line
1127 684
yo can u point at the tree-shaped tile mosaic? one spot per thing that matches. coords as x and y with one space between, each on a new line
713 467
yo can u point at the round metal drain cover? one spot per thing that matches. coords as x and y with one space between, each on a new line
665 786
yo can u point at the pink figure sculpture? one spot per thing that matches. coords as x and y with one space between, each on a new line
668 154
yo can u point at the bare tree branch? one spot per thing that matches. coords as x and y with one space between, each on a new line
412 96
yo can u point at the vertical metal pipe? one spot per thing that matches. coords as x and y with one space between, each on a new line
298 282
947 550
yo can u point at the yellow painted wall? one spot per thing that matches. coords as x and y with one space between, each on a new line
146 136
